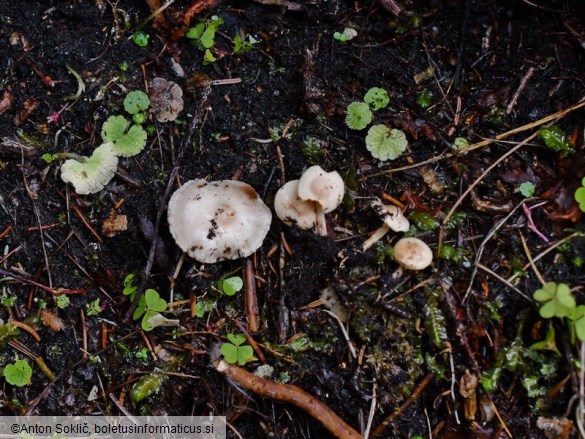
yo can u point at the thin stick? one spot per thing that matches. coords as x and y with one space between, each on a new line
371 413
411 399
344 331
27 328
86 223
251 297
519 91
501 279
83 334
530 260
292 395
486 142
483 174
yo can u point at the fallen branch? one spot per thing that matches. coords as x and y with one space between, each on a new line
292 395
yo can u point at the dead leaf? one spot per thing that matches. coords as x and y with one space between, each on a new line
557 428
51 321
114 224
6 102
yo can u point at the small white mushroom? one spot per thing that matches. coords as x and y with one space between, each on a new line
412 254
393 219
166 99
218 220
326 189
291 209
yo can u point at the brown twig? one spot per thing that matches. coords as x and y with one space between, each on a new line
519 91
292 395
86 223
411 399
251 297
27 328
83 334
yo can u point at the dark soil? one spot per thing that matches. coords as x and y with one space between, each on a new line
296 82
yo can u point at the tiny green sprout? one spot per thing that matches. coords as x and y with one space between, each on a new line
580 195
347 34
460 143
358 115
126 142
204 33
384 143
556 299
62 301
425 98
208 57
377 98
142 354
526 189
311 150
136 101
130 287
241 45
139 118
150 305
49 158
140 38
577 316
203 307
236 351
93 308
230 286
556 139
18 374
123 66
147 386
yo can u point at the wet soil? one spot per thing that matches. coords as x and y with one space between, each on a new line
487 67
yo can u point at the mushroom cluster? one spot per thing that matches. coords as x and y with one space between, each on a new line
218 220
304 202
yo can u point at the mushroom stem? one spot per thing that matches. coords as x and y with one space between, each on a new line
321 223
375 237
398 273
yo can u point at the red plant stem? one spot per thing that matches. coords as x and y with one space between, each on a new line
251 297
292 395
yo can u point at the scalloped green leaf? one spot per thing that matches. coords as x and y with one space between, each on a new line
127 142
136 101
377 98
358 115
385 143
18 374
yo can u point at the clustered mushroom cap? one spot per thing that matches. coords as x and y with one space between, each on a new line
218 220
391 215
291 209
325 188
413 254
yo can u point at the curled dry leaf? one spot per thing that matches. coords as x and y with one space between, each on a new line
114 224
166 99
51 321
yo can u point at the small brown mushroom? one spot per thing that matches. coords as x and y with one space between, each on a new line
218 220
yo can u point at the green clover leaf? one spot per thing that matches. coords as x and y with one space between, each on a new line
231 285
558 300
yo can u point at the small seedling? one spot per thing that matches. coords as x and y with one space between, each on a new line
311 150
384 143
460 143
425 98
149 306
203 34
358 115
230 286
62 301
129 287
140 38
93 308
236 351
556 139
18 374
377 98
203 306
126 142
526 189
556 300
580 195
347 34
142 354
241 45
136 101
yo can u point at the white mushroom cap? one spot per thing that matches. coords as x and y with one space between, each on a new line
413 254
325 188
391 215
218 220
291 209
